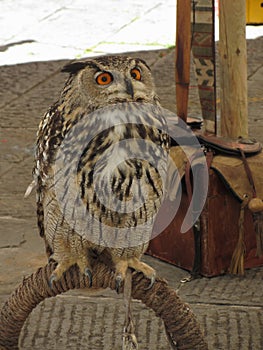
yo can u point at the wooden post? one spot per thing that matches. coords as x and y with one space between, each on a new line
182 56
233 68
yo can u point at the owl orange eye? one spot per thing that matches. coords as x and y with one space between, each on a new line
104 78
136 74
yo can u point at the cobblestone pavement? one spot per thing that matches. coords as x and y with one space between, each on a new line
60 29
73 28
229 308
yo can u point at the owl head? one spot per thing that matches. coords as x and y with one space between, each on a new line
101 81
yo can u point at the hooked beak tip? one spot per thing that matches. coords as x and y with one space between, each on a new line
129 88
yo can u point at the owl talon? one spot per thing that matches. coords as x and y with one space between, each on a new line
118 281
51 258
52 279
152 281
88 273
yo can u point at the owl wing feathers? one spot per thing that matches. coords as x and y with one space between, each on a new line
129 174
50 137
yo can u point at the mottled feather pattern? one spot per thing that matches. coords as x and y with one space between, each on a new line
65 128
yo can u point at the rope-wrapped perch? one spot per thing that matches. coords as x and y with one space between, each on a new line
180 323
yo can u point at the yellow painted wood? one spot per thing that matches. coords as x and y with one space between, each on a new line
254 11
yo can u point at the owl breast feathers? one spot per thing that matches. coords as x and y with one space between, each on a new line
100 166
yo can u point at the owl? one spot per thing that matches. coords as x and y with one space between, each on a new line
100 154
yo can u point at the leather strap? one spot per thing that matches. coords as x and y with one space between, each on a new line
196 228
248 172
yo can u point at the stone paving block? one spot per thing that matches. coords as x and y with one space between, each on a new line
83 323
13 235
15 22
16 206
80 32
161 15
14 271
254 55
227 289
25 254
164 76
136 9
17 145
151 56
92 325
255 104
231 328
27 110
11 86
85 32
31 50
119 48
22 176
257 132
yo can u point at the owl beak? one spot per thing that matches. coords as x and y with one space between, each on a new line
129 88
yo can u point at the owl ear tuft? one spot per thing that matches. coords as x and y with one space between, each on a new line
138 60
74 67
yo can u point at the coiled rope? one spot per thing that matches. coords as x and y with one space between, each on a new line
182 328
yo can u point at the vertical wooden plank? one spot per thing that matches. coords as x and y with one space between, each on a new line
233 68
182 56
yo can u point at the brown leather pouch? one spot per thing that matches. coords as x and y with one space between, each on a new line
244 179
229 234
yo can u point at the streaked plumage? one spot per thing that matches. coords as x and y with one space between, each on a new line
122 87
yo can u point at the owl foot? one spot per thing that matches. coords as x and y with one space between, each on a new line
51 258
152 281
134 263
88 273
118 283
121 269
65 264
62 267
147 270
52 279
